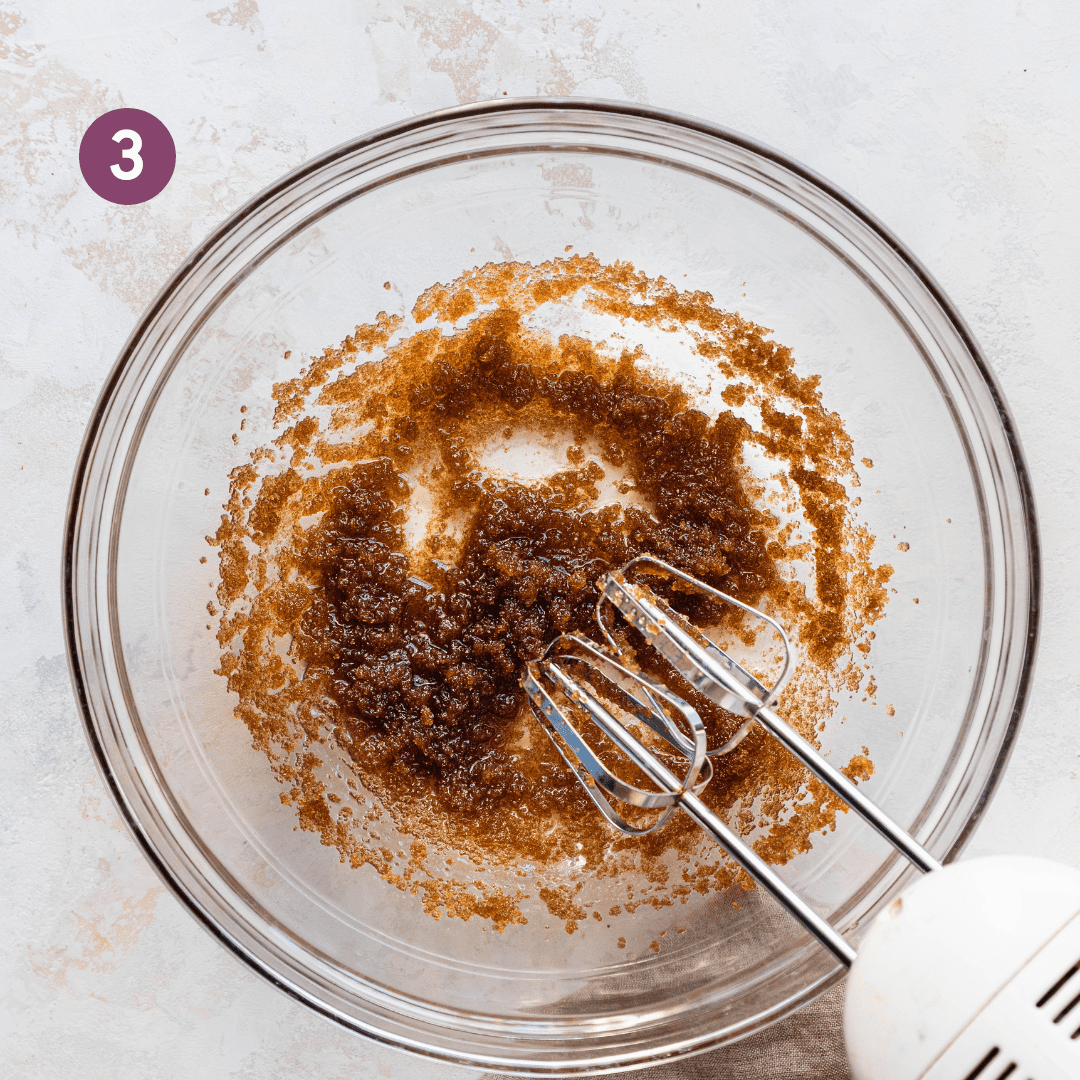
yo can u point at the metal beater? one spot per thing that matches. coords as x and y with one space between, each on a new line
556 695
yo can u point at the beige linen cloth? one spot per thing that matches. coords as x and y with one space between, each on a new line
806 1046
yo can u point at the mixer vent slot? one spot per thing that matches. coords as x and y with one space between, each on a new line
1068 1009
978 1070
1058 985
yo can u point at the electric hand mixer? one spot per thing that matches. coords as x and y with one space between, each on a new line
973 973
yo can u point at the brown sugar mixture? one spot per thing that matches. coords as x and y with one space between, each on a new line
440 504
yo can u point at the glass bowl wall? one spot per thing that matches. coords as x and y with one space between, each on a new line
296 269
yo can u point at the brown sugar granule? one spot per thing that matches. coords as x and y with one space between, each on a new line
346 634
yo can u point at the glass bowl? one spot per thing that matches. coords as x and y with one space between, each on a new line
416 203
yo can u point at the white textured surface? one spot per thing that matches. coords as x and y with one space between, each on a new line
956 124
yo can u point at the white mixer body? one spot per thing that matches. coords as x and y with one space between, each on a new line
973 973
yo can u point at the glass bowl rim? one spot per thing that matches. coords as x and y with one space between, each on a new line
1030 613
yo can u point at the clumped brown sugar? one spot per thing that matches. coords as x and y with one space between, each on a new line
383 581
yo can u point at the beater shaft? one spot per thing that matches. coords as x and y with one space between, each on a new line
766 877
833 778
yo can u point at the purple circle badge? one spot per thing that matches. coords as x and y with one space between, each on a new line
127 156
